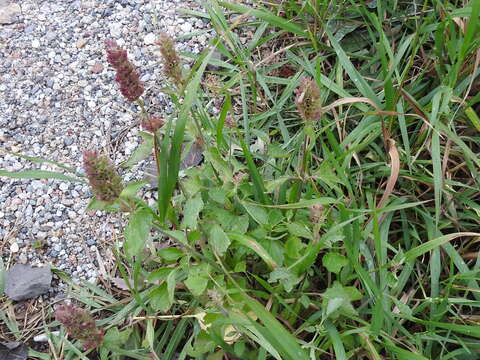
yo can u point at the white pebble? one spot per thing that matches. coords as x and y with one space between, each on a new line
35 43
186 27
44 337
149 39
14 248
115 29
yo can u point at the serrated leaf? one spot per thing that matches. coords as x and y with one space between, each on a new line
285 277
339 297
137 232
192 209
300 230
218 240
334 262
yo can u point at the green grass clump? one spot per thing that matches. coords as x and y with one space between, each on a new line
336 213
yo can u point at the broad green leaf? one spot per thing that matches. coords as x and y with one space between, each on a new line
293 247
336 341
285 277
197 279
240 225
258 214
339 298
159 274
96 204
170 254
334 262
137 232
159 298
218 240
115 337
132 189
192 209
300 230
218 195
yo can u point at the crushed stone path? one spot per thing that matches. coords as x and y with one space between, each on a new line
58 98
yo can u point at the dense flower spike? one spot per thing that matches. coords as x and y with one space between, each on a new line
127 76
171 60
308 100
80 325
152 123
102 176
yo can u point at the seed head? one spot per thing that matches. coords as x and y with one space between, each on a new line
308 100
103 177
152 123
127 76
171 60
79 325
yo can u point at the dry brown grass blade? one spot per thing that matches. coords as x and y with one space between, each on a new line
394 172
417 110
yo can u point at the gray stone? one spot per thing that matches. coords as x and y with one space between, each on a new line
26 282
216 56
13 351
9 12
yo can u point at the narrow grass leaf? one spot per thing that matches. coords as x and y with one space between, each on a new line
432 244
268 17
357 79
255 246
39 174
290 346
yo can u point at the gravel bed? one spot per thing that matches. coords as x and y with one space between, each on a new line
57 98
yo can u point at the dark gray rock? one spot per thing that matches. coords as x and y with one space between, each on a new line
13 351
216 58
26 282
